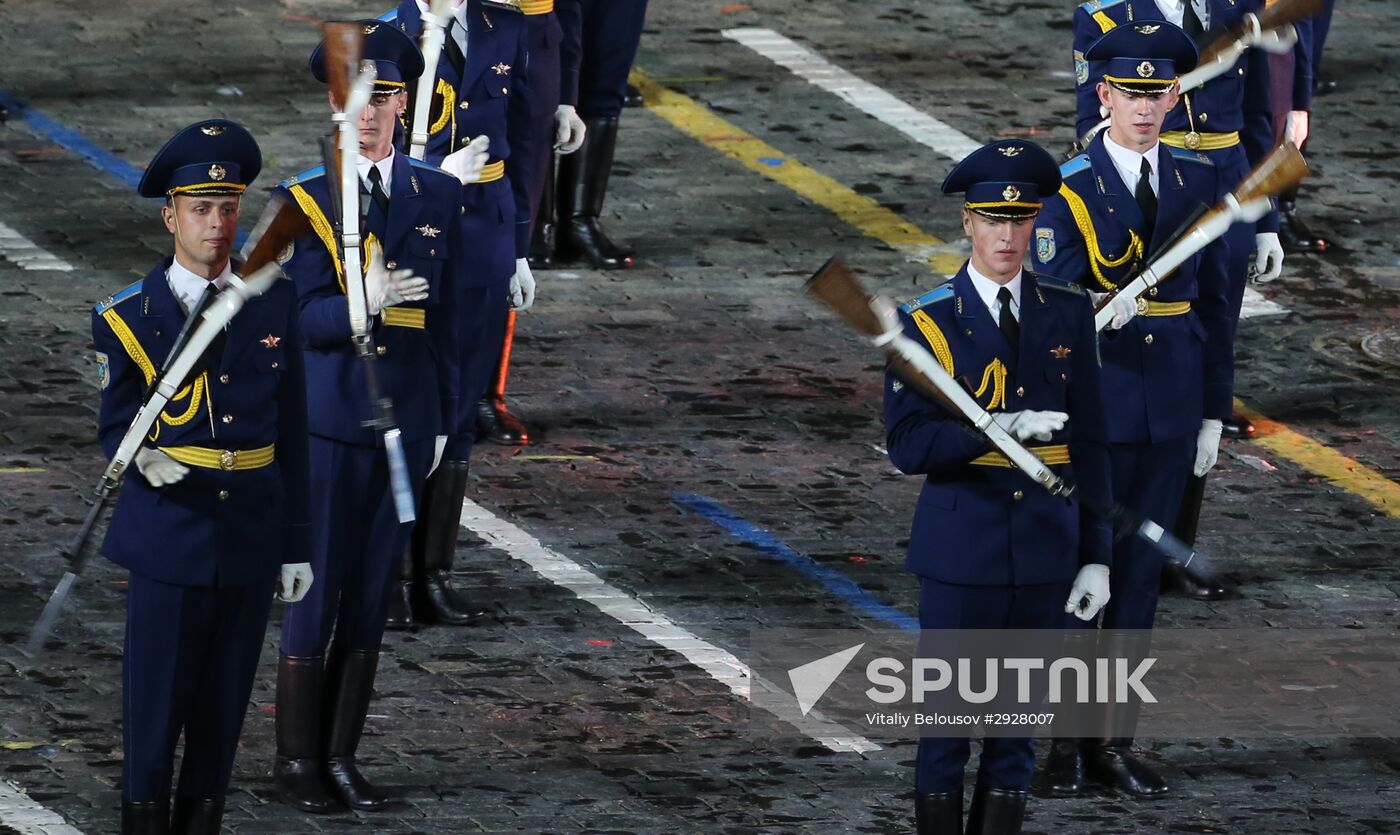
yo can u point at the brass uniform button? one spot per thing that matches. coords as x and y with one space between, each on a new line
1205 117
223 378
227 418
1020 391
391 264
1147 339
381 350
465 104
1018 495
274 365
1064 376
223 495
1152 292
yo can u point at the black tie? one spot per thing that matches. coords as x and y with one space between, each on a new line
1190 22
1146 197
1007 322
454 52
376 191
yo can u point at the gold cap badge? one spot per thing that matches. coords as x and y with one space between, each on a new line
212 130
1145 69
1011 193
1010 151
217 173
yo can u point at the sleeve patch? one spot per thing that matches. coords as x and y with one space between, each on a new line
1081 68
104 370
1044 245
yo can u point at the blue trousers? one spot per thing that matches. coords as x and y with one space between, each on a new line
487 222
1148 479
1007 763
188 664
541 98
612 31
356 544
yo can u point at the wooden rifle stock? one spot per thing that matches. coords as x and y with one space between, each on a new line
279 225
342 53
1275 16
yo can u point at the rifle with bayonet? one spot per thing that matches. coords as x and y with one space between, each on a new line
434 35
279 226
1281 170
1270 30
838 288
351 85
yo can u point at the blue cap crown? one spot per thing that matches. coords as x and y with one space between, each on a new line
396 57
213 157
1005 179
1145 56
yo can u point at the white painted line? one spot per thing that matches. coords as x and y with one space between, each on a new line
27 255
19 813
721 664
898 114
1256 305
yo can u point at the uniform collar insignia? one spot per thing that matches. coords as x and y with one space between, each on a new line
413 181
270 340
1060 351
427 231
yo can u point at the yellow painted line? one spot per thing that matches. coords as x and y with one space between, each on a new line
703 125
30 746
20 470
1348 474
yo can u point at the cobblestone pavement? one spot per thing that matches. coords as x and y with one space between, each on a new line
701 371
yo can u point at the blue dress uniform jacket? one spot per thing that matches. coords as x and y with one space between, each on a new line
215 527
1163 372
419 362
1235 102
482 99
980 522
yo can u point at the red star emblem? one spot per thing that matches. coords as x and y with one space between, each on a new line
270 340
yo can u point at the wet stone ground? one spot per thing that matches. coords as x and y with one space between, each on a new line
702 371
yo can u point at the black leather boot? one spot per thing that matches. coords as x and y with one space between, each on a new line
996 811
494 422
1237 426
939 813
400 615
1294 234
633 97
1114 764
1063 775
1184 580
435 546
351 680
542 239
197 816
146 818
583 185
299 766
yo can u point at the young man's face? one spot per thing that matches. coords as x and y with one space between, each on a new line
377 121
998 246
204 228
1136 118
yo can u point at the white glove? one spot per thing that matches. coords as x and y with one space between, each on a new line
1207 446
522 286
158 468
1122 306
569 129
1268 257
1090 592
386 289
295 582
466 162
1297 126
1031 424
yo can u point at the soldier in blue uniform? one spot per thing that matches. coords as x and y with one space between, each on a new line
992 549
1228 120
1293 76
548 78
411 219
1167 359
476 103
611 31
215 516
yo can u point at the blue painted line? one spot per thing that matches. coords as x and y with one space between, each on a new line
65 137
834 581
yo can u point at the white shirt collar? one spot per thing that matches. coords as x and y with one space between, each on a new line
459 11
188 287
1173 11
1129 163
987 290
386 171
